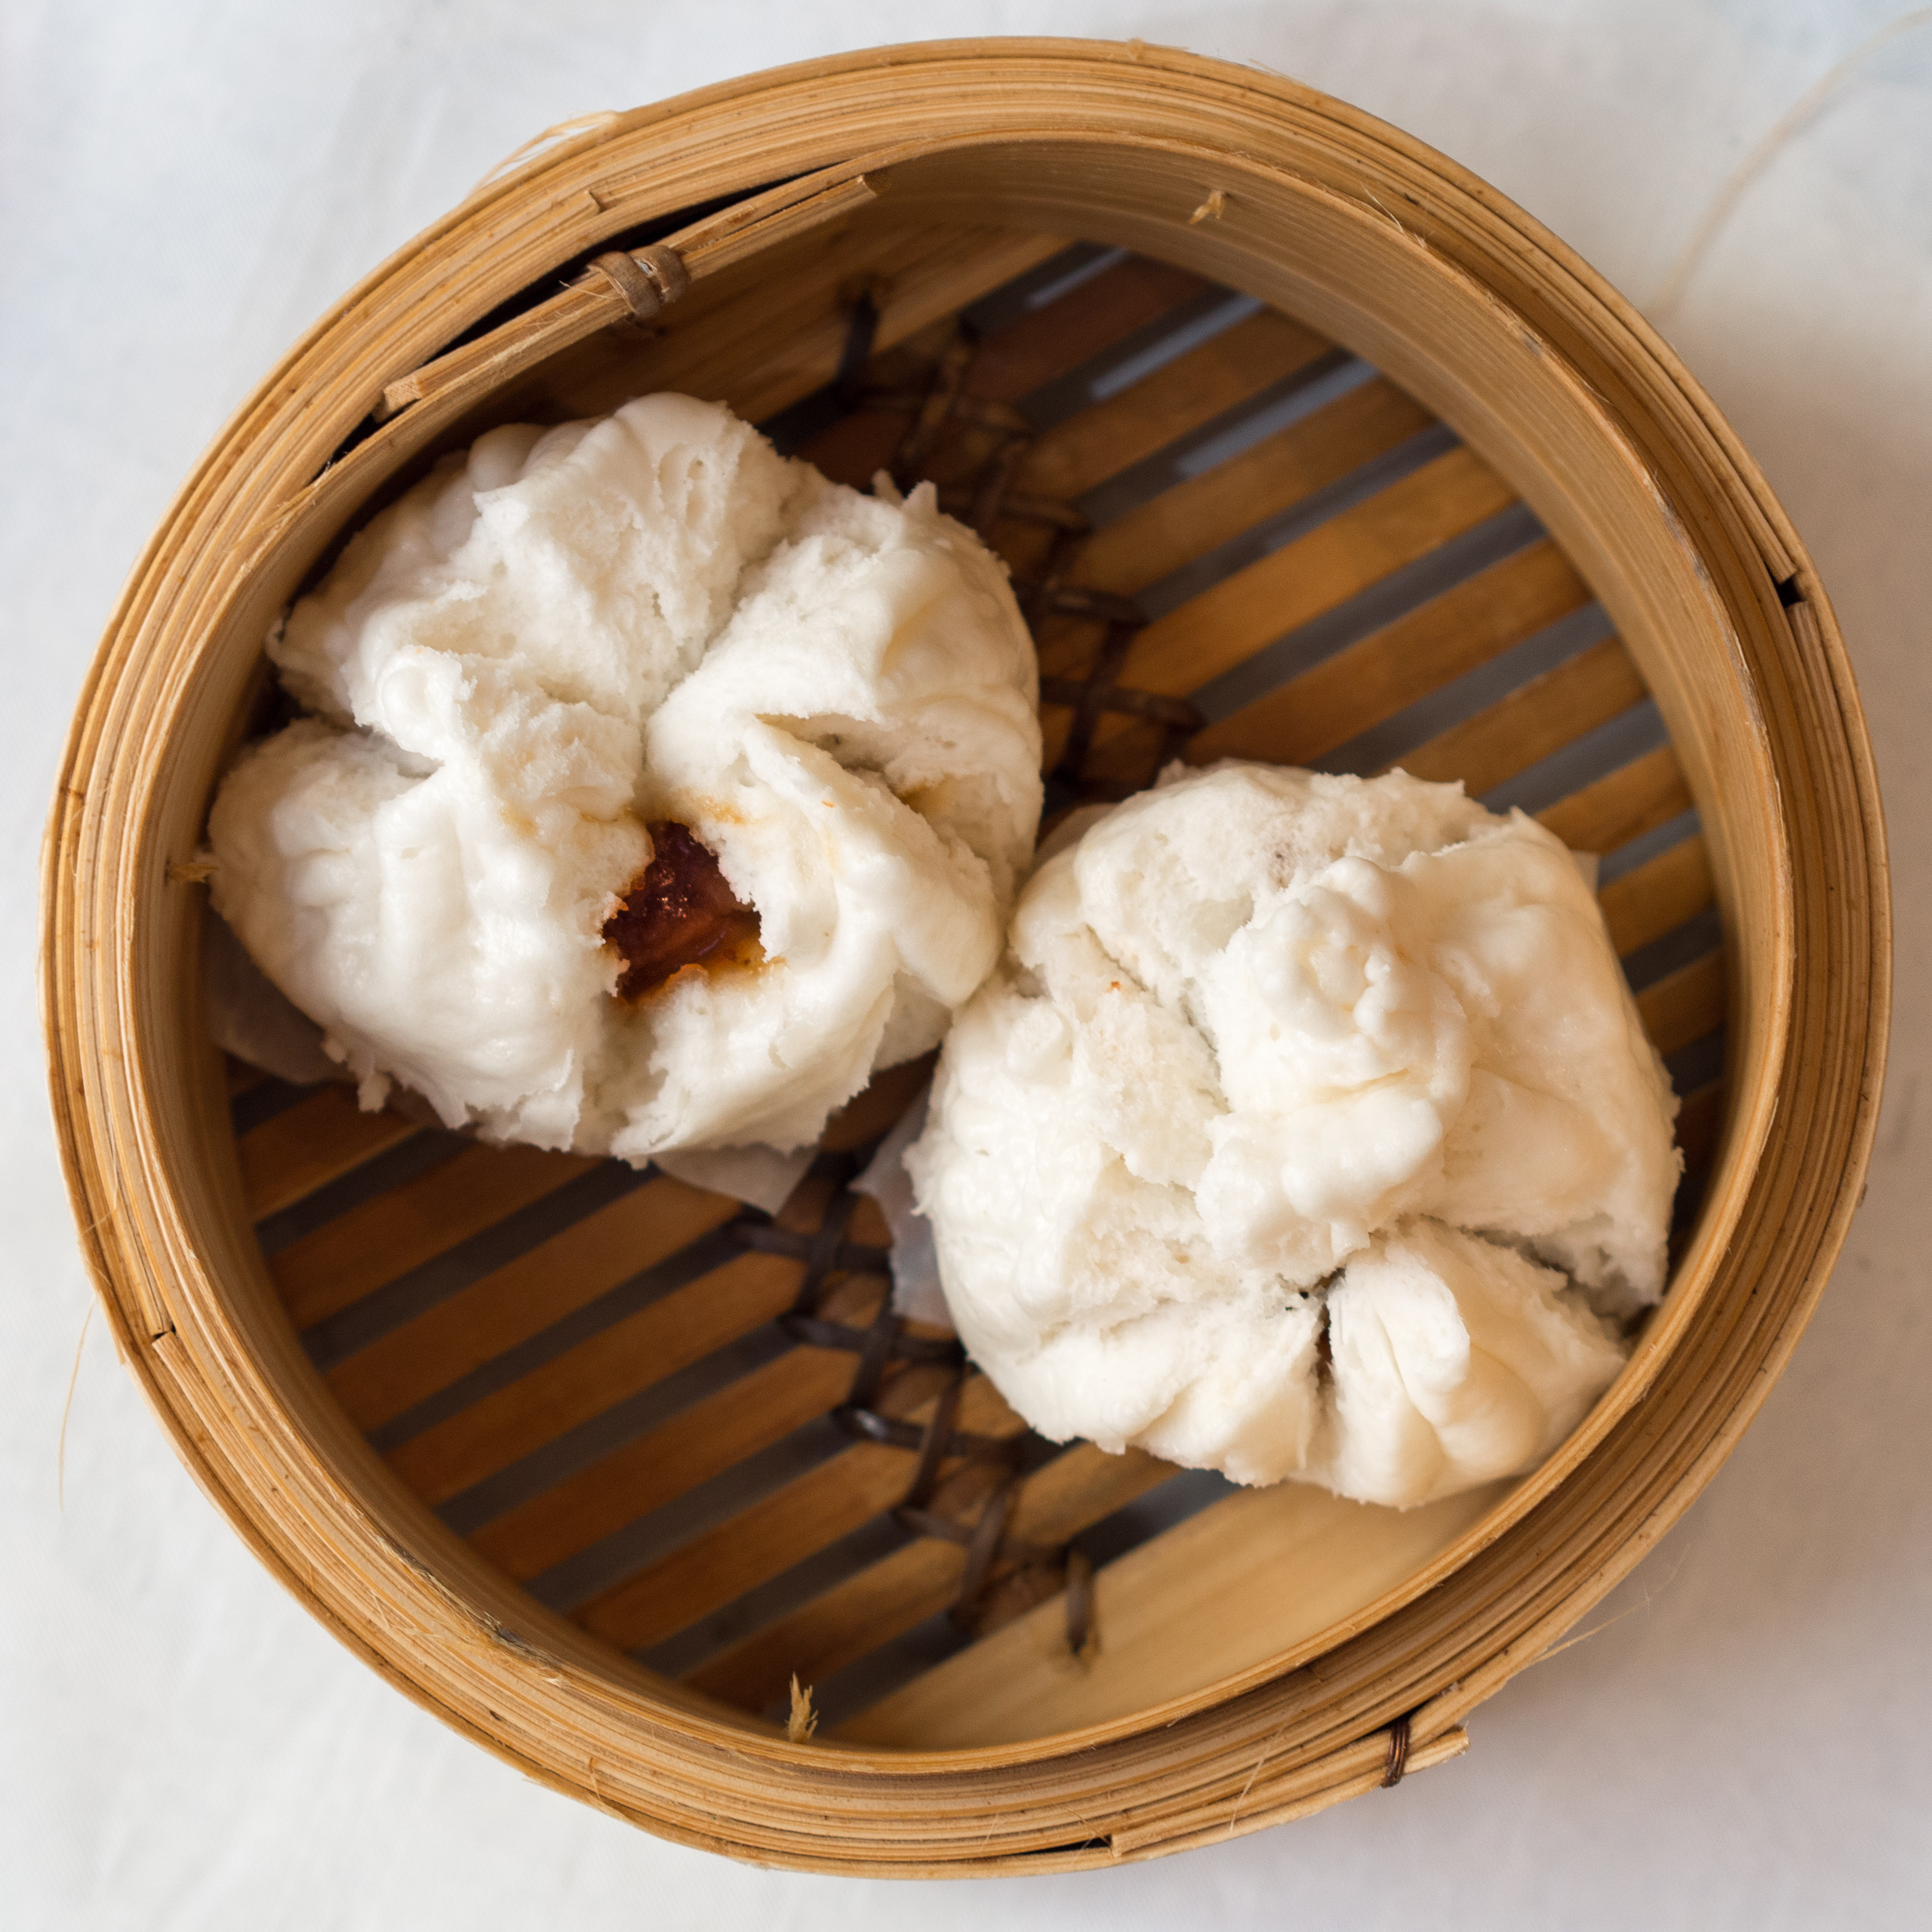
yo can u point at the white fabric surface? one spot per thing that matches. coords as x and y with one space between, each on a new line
182 188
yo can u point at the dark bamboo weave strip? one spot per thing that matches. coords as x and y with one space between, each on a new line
934 1445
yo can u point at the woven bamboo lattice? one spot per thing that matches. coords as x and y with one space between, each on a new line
1300 445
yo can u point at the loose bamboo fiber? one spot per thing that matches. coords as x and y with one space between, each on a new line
828 248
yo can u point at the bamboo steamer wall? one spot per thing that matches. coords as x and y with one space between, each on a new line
910 185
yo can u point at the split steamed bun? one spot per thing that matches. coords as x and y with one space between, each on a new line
824 702
1307 1129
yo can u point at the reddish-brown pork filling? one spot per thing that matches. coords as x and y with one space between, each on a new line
677 912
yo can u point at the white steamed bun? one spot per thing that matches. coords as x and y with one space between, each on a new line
564 636
1307 1129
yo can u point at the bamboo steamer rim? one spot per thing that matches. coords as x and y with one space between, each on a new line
309 1496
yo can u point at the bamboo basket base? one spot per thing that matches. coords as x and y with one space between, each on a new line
509 1423
697 1430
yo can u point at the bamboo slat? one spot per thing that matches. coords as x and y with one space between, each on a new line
1623 804
1050 342
1684 1005
1260 1573
1344 695
524 1296
1187 522
712 1437
1163 536
1073 1492
1046 344
1212 633
1533 720
1658 896
342 1260
1085 451
600 1372
316 1141
777 1531
571 1391
637 1351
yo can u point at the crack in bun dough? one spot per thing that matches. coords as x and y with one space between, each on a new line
1307 1129
563 636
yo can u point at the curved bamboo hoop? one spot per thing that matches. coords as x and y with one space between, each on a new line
1390 250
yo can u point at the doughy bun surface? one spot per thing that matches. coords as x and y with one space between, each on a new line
564 636
1307 1129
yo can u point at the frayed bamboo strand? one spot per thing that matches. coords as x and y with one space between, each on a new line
66 1410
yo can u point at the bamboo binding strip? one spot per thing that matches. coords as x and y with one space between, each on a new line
1301 445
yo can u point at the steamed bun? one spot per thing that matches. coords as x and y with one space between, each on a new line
583 681
1306 1130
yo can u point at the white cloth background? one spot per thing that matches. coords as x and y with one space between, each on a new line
183 187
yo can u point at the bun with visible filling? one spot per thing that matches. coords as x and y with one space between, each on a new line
653 789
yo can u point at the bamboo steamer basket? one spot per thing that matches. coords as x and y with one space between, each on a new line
1453 448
